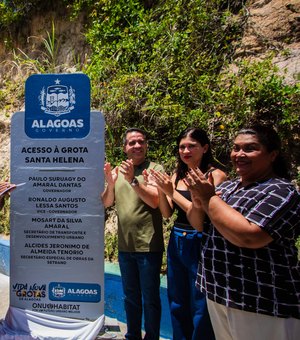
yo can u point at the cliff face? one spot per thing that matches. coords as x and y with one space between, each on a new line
270 26
274 26
29 40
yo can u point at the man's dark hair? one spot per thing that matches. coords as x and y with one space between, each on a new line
133 129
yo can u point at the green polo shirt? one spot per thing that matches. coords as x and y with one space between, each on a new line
139 225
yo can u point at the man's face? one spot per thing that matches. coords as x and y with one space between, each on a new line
136 147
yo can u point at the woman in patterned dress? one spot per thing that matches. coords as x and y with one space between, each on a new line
250 272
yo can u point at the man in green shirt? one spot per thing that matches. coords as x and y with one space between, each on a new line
140 235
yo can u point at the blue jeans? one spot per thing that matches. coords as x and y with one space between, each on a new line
189 314
141 285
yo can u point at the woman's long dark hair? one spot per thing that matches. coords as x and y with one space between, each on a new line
201 137
268 137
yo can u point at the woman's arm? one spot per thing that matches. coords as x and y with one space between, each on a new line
217 176
164 184
195 212
231 224
165 204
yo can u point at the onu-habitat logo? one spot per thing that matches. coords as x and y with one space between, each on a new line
57 106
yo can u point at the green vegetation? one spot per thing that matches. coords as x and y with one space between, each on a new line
163 66
4 217
4 212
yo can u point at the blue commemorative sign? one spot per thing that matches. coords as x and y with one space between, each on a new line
57 106
57 219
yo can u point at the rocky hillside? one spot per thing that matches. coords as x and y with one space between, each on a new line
274 26
270 26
